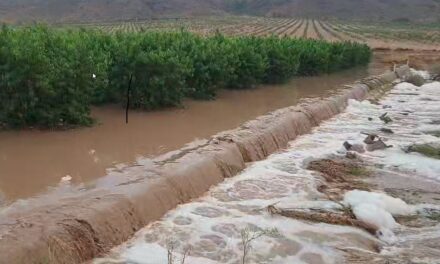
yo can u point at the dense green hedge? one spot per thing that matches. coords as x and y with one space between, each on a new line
50 77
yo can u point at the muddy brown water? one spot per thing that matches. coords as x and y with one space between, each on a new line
33 161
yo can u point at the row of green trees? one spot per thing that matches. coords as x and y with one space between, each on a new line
50 77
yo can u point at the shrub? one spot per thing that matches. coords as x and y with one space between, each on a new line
283 60
158 74
246 63
209 67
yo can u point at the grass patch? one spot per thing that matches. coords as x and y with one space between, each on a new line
427 150
359 171
434 133
435 216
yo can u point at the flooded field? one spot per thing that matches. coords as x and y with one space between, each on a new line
33 161
219 132
212 229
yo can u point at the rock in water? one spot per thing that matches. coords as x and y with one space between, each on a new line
385 118
347 145
370 139
377 145
373 143
351 155
387 130
354 147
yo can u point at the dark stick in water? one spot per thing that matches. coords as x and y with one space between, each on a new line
128 98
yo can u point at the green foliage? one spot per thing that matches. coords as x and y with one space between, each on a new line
435 133
317 56
209 66
45 77
158 72
359 171
51 77
429 150
283 60
247 65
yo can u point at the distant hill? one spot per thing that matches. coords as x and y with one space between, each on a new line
103 10
111 10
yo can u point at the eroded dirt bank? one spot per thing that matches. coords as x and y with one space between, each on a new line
83 225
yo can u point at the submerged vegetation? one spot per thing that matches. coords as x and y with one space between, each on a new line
429 150
50 77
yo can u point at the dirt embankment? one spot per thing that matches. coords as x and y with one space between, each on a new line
85 225
423 60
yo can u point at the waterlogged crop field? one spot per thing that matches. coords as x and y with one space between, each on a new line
377 35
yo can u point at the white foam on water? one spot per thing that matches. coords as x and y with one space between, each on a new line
405 86
413 163
424 74
431 87
377 209
212 225
394 206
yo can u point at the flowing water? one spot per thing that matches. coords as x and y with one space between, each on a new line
210 229
33 161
